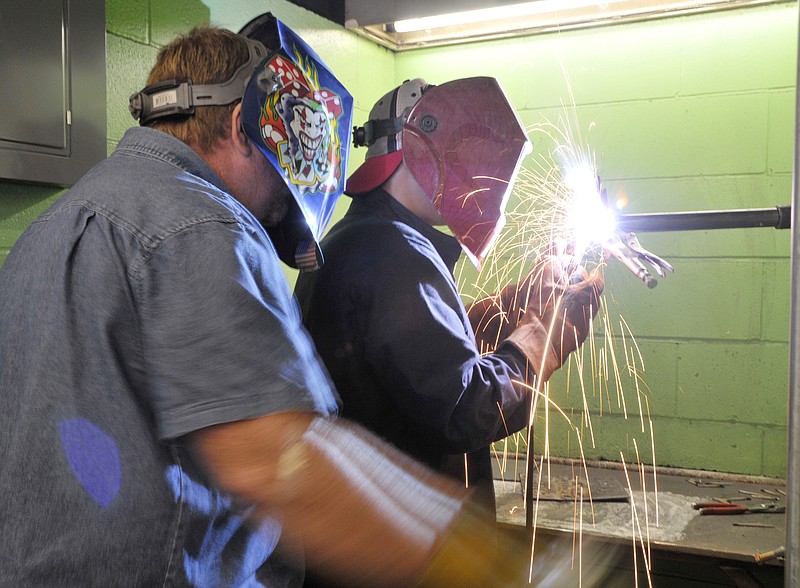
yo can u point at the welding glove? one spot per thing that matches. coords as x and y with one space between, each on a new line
494 317
546 316
558 317
474 554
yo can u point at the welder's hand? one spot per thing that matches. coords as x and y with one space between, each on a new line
494 317
475 553
555 315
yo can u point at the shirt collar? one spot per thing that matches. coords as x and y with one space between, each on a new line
382 203
156 144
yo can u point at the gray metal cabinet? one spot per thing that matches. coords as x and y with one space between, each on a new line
52 89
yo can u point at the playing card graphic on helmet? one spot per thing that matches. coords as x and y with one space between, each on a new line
300 116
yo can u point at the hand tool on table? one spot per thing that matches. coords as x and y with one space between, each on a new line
768 555
730 508
759 495
705 483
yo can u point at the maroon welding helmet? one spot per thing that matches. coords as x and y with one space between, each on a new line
463 143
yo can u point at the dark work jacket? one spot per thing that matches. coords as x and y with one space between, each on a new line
388 322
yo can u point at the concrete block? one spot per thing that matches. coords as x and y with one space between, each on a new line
169 18
738 50
129 63
707 445
643 384
775 300
128 19
775 452
780 155
719 299
743 382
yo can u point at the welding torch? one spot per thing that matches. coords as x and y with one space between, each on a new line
623 245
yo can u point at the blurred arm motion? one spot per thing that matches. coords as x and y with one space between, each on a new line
364 513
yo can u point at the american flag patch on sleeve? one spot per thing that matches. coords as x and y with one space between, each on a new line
306 256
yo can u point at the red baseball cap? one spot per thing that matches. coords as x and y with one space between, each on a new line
384 143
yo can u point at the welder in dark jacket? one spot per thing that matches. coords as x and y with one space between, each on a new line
384 310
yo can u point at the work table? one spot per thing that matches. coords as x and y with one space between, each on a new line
665 522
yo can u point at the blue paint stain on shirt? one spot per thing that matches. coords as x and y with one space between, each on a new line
93 457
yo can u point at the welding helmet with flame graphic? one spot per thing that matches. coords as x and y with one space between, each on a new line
463 143
299 115
296 112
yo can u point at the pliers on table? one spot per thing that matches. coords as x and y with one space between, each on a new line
627 249
730 508
705 483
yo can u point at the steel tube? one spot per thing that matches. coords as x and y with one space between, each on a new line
778 217
791 577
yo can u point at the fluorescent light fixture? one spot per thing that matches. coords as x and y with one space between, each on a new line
528 18
471 17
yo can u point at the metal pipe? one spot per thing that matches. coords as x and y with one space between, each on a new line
529 496
778 217
791 571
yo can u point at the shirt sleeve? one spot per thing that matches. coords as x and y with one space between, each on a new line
221 333
419 342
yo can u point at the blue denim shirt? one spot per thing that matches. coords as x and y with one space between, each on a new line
145 304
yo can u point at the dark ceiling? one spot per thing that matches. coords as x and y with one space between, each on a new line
331 9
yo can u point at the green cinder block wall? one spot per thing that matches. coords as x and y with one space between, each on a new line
680 114
687 113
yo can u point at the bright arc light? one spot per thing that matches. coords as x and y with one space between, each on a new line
589 219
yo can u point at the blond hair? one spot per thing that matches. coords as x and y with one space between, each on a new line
205 55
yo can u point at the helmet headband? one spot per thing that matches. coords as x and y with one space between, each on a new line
180 97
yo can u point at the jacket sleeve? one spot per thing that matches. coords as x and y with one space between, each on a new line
420 344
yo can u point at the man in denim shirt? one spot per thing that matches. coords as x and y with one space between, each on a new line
165 419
